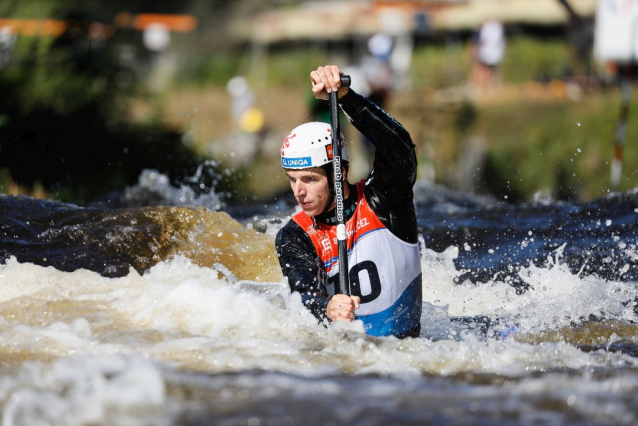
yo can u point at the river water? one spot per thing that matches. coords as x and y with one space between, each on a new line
179 315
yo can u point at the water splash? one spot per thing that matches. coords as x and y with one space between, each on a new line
155 189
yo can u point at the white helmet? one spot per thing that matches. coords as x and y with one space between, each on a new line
310 145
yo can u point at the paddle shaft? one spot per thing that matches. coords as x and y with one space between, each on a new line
338 191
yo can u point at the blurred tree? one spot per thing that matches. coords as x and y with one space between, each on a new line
581 39
64 103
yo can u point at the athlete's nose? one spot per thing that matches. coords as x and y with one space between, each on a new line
298 189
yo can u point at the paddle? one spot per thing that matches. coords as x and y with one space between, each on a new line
338 191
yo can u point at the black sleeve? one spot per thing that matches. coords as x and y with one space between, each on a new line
301 264
389 186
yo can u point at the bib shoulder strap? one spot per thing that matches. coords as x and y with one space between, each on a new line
318 235
304 221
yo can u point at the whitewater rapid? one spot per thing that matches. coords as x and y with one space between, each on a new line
204 330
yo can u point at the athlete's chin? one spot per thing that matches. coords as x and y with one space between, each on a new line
310 209
310 212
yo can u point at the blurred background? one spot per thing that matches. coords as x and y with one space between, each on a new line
517 99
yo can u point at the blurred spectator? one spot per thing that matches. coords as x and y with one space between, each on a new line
378 77
156 37
376 69
487 54
243 98
7 40
248 119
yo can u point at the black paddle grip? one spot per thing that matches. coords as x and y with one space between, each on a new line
345 80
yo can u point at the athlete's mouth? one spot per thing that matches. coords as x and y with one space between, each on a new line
303 204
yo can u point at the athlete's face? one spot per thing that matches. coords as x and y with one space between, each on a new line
310 187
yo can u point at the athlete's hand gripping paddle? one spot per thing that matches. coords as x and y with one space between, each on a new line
338 190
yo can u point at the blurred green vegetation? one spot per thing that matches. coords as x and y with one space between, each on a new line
288 70
284 68
65 120
526 58
209 70
46 76
439 66
564 148
32 9
67 106
534 145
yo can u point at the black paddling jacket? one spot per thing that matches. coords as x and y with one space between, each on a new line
388 191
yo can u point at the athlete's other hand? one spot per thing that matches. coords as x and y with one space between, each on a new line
341 307
325 80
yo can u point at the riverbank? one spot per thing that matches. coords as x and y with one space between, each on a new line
518 142
540 132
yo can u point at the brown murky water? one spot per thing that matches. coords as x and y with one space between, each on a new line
180 316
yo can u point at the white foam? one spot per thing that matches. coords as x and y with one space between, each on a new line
106 336
84 390
184 315
556 297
